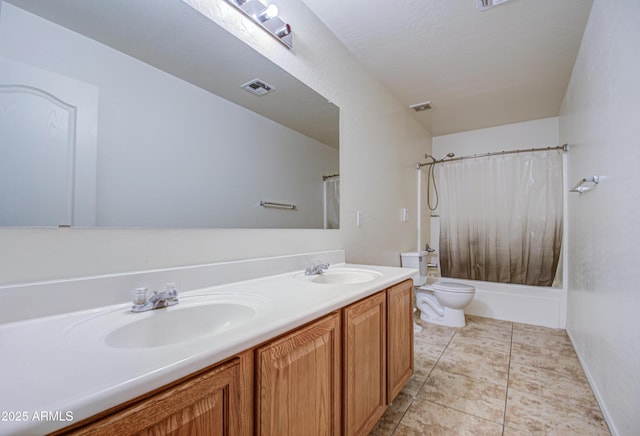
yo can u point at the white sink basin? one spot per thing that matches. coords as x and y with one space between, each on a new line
342 276
193 318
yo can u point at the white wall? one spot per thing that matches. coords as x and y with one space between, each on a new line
380 142
599 120
171 154
529 134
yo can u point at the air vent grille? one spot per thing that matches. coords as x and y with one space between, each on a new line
258 87
487 4
419 107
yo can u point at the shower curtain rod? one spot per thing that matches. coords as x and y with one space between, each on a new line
563 147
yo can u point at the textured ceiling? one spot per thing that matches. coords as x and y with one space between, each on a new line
507 64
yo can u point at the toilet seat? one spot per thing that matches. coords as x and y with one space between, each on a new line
453 287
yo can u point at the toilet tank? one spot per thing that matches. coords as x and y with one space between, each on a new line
417 260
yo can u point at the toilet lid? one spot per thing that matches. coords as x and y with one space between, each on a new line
453 287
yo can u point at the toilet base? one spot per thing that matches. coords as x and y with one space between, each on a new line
450 318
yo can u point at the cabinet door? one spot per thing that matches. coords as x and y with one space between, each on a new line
298 382
207 404
399 337
364 364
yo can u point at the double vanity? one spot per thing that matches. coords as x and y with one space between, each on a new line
252 347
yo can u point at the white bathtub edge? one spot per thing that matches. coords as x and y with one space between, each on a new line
543 306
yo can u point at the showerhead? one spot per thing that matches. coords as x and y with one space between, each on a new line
448 155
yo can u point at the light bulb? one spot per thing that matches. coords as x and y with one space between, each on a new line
270 12
283 31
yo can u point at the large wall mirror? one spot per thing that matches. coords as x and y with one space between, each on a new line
131 113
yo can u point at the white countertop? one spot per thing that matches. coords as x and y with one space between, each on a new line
60 378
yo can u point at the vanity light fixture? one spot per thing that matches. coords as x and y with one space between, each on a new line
266 16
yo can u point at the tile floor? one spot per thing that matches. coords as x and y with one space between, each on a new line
494 378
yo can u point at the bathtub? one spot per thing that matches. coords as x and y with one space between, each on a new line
544 306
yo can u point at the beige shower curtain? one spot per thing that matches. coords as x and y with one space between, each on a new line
501 217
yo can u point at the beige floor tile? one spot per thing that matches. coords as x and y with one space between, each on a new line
392 416
540 414
427 418
426 355
428 346
475 397
538 329
561 382
460 384
508 431
432 341
416 381
437 333
473 319
557 342
466 339
489 328
486 365
542 357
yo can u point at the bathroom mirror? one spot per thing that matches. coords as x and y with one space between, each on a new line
131 113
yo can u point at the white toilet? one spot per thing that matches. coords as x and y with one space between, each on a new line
443 302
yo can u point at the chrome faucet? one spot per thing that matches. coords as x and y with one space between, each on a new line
315 268
142 302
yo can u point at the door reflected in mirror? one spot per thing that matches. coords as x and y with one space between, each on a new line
132 114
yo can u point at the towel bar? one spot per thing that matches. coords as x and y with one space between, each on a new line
580 186
278 205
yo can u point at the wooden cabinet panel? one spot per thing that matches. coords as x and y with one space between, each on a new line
399 337
364 364
298 382
207 404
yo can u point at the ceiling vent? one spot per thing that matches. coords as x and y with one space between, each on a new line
258 87
488 4
419 107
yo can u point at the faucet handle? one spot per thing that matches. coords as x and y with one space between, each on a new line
308 268
171 290
140 297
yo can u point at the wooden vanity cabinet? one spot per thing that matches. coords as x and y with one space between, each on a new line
299 376
365 356
298 381
216 401
333 376
399 337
